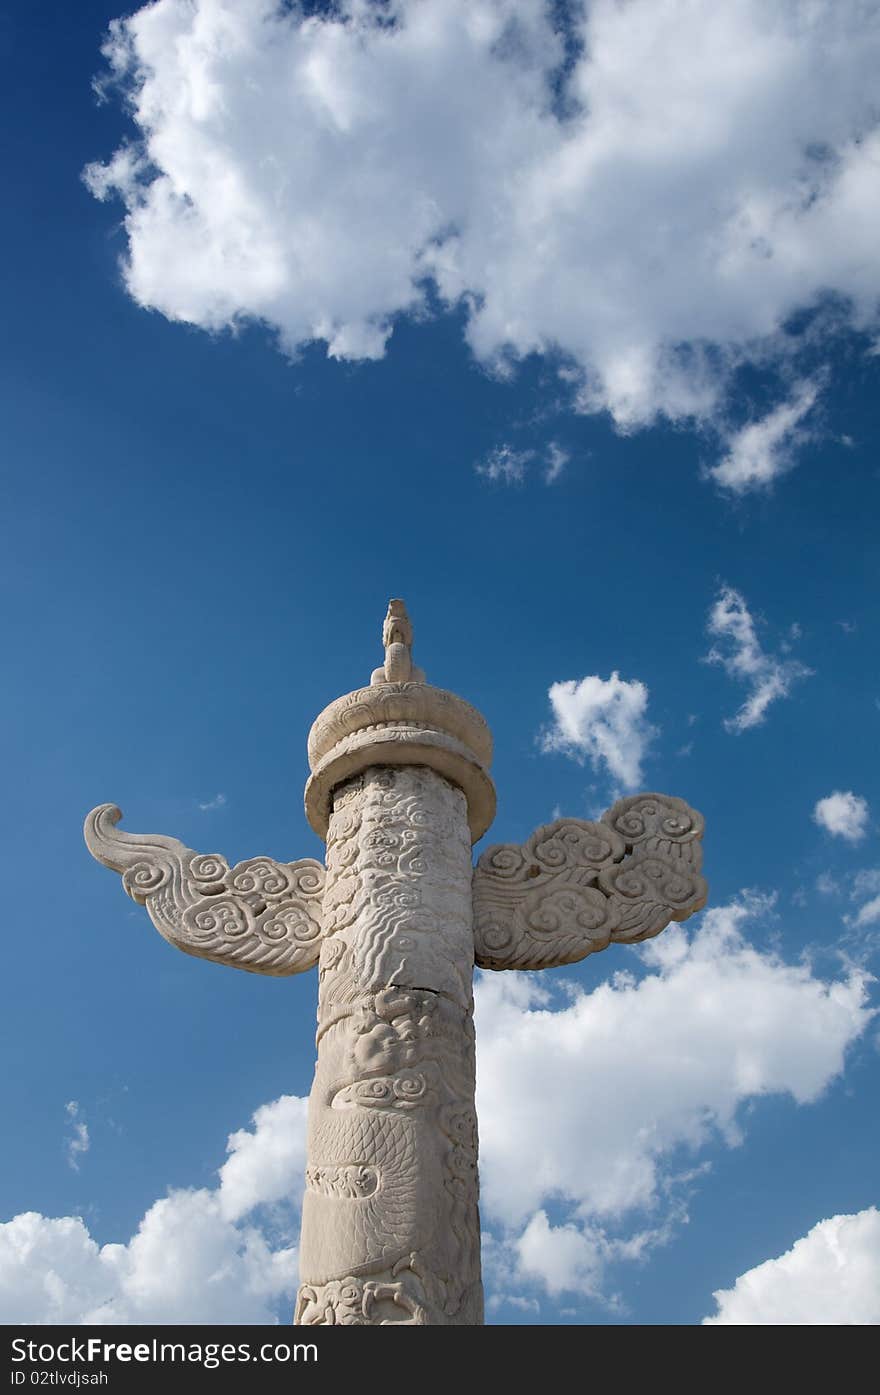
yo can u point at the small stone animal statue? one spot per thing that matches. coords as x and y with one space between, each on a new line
397 637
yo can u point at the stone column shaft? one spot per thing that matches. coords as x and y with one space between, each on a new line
390 1228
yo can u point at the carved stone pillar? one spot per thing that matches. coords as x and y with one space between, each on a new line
391 1228
400 789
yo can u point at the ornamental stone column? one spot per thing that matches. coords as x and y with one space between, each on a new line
400 790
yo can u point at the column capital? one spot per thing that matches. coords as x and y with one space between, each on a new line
400 720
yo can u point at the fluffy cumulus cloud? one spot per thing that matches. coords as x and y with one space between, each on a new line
267 1165
197 1256
843 815
740 653
603 720
830 1276
666 1060
648 191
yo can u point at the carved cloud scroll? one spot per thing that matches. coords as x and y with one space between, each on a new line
574 886
260 915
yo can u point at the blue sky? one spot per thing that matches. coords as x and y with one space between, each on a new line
592 383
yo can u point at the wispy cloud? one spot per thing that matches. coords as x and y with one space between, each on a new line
761 451
78 1143
505 465
860 941
603 720
866 883
868 914
827 885
216 803
865 888
739 652
556 461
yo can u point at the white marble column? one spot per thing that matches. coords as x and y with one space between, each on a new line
390 1222
400 789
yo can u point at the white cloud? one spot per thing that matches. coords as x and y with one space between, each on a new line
868 914
665 1062
830 1277
498 1300
765 449
826 885
504 465
267 1165
739 652
865 888
574 1256
192 1258
603 720
711 1024
562 1257
216 803
557 459
866 883
843 815
78 1144
704 172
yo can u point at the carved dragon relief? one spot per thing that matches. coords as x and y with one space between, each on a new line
260 915
390 1224
574 886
